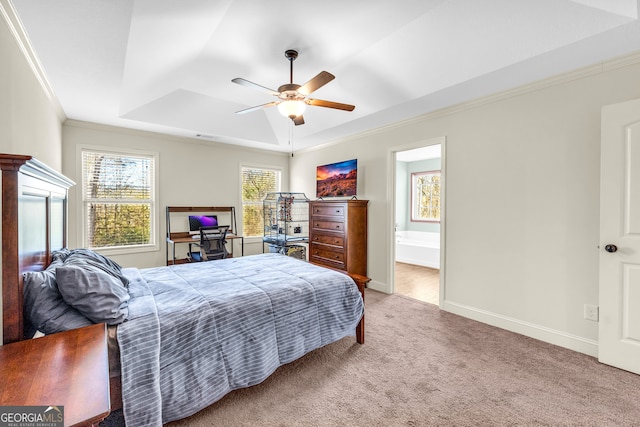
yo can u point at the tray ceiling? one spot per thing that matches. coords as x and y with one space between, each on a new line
166 66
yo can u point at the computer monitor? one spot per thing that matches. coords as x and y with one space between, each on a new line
197 221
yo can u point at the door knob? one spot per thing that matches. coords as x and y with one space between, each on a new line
611 248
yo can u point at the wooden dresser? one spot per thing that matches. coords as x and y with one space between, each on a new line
338 234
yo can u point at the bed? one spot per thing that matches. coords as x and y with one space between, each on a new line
186 334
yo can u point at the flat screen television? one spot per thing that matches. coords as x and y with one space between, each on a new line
337 179
197 221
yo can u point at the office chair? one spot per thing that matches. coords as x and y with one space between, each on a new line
213 242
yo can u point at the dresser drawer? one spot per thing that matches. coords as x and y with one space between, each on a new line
333 254
328 210
328 262
327 239
327 225
327 257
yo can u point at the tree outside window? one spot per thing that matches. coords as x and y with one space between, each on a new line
425 196
118 199
256 183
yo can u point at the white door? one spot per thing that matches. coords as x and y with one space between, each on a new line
619 300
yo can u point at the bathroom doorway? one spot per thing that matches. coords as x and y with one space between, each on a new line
418 218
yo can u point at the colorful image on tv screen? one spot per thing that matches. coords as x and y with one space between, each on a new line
337 179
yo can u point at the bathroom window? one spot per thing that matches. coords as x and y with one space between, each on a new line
425 196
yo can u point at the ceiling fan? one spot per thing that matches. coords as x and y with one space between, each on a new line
293 98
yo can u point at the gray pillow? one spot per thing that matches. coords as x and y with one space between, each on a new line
44 308
60 254
99 296
86 257
88 253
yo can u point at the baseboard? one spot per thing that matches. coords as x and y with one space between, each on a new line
551 336
379 286
548 335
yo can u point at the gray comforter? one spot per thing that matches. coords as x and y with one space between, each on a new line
197 331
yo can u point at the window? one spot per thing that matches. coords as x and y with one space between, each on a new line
118 199
425 196
256 183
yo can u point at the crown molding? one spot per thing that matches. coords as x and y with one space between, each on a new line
621 61
73 123
16 29
577 74
558 79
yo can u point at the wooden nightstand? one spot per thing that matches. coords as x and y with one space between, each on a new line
69 369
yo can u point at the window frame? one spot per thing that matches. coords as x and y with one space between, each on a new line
279 170
154 244
414 190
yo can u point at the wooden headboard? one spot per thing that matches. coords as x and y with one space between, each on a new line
34 223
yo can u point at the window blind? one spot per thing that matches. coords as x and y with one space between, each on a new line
256 183
118 199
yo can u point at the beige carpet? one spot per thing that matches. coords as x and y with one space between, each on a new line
420 366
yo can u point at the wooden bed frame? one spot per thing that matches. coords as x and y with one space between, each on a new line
26 181
33 191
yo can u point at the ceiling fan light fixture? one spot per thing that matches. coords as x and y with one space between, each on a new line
293 98
291 108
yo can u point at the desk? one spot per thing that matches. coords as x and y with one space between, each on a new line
226 215
69 369
185 237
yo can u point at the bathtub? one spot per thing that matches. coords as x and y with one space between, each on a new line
419 248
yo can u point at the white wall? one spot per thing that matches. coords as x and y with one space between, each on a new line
522 200
403 196
30 123
191 173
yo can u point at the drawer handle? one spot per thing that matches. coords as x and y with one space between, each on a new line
315 238
337 256
337 226
337 242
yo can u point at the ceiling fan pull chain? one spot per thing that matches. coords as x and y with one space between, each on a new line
291 124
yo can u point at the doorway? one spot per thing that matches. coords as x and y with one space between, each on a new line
418 218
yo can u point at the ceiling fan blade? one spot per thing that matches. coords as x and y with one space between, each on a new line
316 83
258 107
299 120
330 104
253 85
